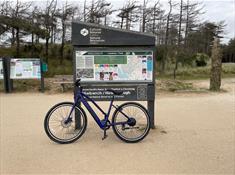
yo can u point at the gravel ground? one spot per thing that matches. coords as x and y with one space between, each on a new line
195 134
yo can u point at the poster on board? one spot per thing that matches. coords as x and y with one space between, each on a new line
25 69
1 69
114 65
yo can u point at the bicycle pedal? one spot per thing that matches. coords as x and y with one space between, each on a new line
104 137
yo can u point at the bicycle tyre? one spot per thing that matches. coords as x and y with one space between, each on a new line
49 132
115 127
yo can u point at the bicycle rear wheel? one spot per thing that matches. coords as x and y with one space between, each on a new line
137 124
61 130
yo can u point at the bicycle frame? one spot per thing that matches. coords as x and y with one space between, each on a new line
81 97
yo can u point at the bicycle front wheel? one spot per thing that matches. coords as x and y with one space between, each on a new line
136 119
61 130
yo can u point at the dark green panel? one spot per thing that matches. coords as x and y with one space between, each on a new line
98 35
116 59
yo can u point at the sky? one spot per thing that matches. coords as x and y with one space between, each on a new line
215 11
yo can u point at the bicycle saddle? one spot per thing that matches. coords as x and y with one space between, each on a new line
115 92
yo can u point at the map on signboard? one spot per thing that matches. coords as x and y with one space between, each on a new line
114 66
1 69
25 69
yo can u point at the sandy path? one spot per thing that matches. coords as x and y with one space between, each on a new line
199 138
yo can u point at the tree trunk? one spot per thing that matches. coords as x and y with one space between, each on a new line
175 69
105 20
62 44
54 37
144 17
17 42
84 11
187 24
166 39
37 39
32 45
154 19
52 34
127 21
179 38
47 45
13 37
216 66
122 22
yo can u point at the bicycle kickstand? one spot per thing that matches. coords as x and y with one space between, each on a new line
105 135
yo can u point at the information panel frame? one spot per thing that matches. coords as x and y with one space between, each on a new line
148 87
114 65
21 69
116 49
9 81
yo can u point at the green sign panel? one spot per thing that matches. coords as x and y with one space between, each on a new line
111 59
44 67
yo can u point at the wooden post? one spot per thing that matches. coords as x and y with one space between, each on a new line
216 66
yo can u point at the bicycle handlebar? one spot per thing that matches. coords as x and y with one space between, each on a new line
77 82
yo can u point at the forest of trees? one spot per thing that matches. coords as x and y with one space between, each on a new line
182 37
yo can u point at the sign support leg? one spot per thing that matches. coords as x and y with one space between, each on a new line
7 79
42 78
151 113
78 118
5 75
77 115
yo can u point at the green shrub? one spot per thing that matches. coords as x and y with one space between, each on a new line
68 51
54 51
184 58
55 68
201 59
160 51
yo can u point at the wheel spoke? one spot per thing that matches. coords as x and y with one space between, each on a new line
60 131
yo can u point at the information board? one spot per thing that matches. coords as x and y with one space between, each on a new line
25 69
1 69
114 65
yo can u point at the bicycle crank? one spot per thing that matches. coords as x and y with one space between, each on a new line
105 135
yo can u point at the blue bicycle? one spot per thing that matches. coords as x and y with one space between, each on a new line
66 122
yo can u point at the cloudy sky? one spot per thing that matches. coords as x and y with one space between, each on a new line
215 10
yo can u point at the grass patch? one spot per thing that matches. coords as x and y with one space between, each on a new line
174 85
194 73
25 86
1 86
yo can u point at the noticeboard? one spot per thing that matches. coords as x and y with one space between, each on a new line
110 58
114 66
1 69
25 68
